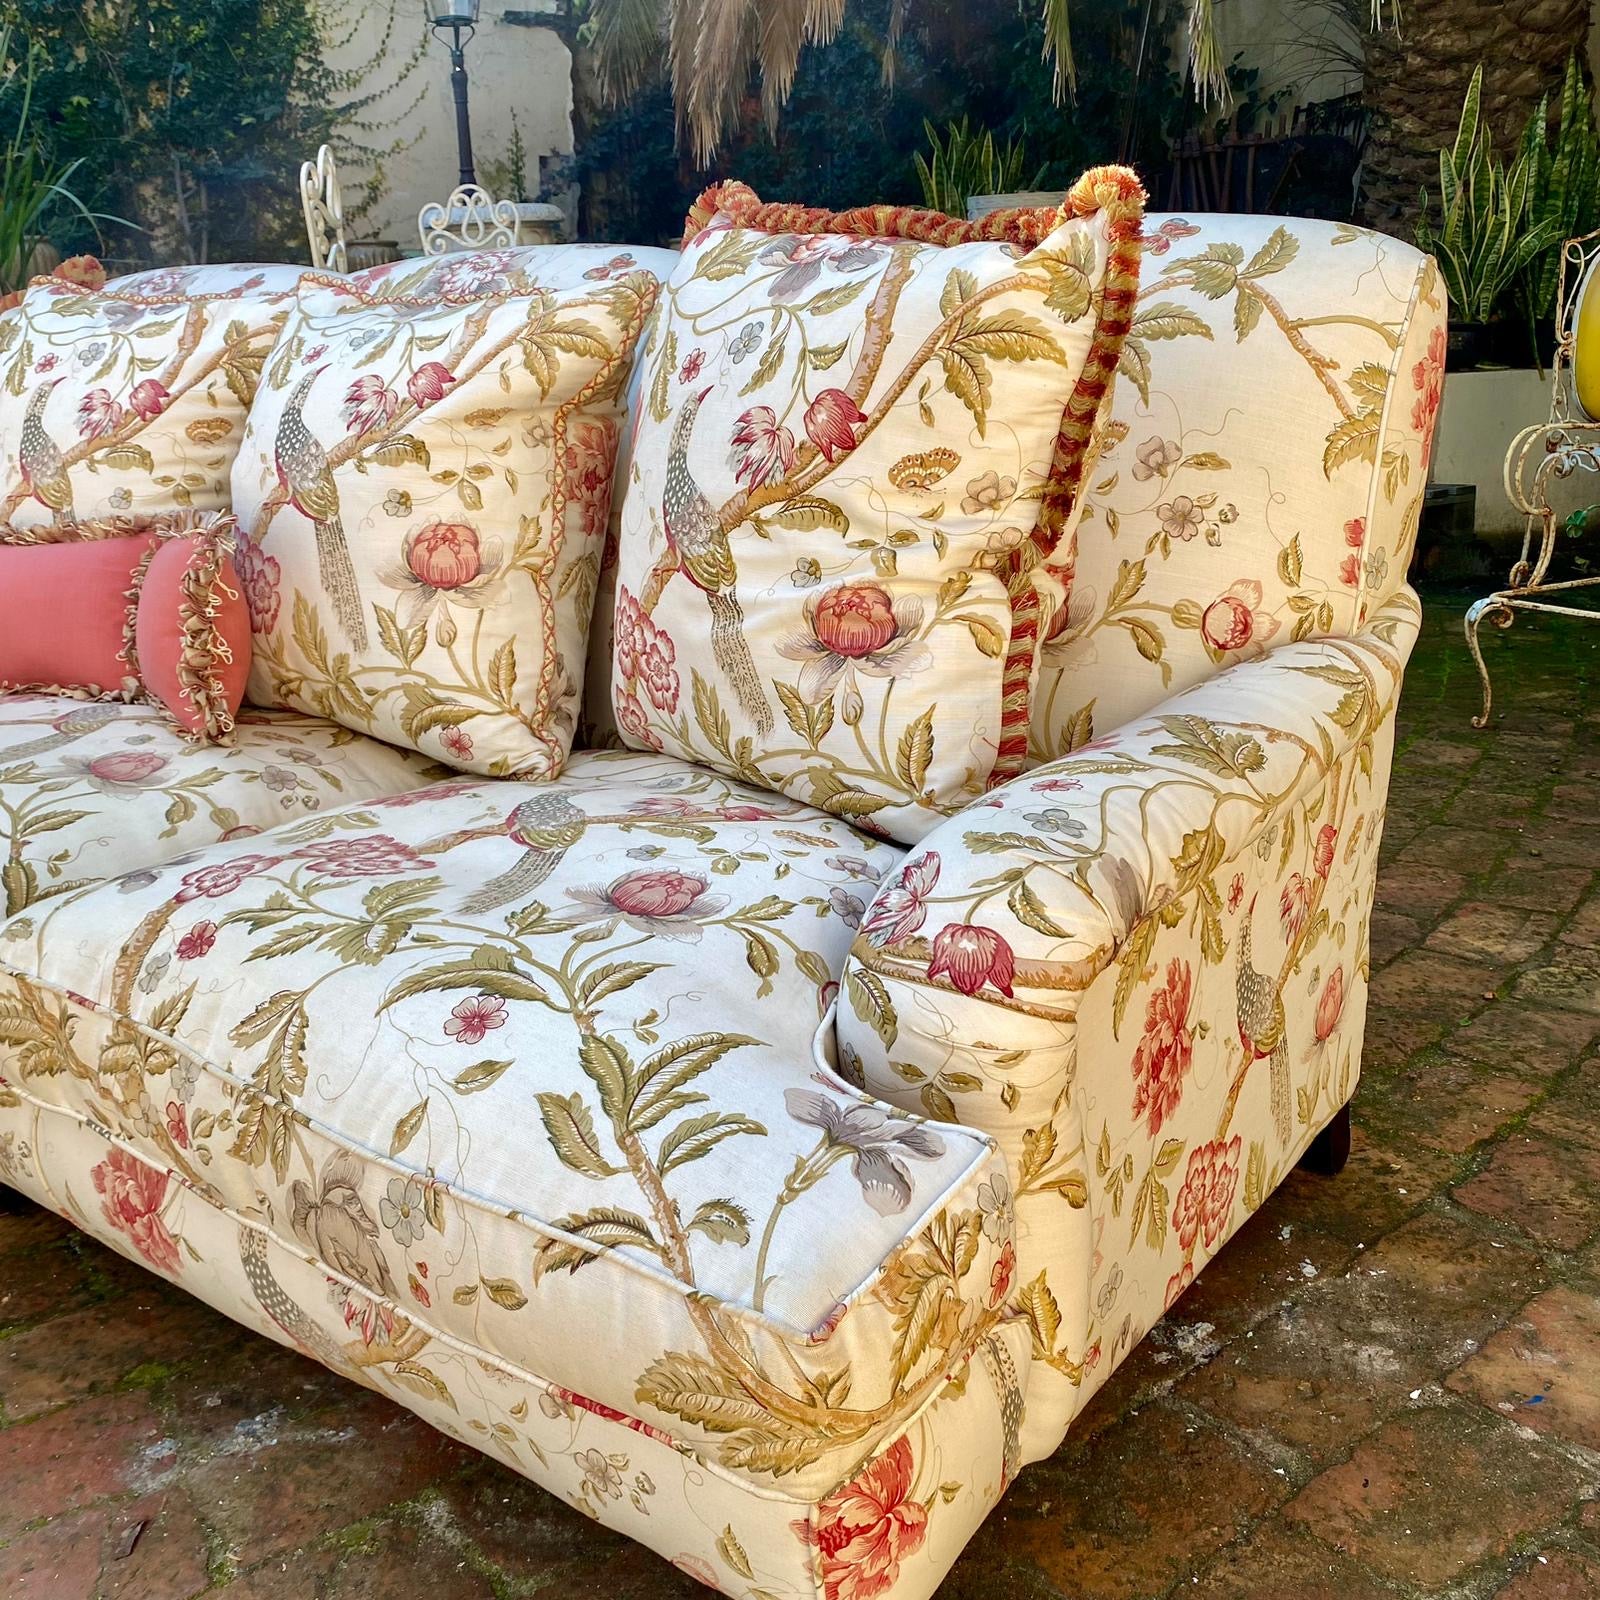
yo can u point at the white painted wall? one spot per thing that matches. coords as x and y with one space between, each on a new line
1481 414
510 67
1293 44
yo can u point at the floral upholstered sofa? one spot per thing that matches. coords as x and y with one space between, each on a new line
769 1190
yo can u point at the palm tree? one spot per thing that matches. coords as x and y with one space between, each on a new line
1416 77
713 45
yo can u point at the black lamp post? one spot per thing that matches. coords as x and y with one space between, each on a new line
461 18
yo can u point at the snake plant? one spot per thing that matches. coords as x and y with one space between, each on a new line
964 163
1563 185
1484 237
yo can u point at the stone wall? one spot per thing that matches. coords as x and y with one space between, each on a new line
516 63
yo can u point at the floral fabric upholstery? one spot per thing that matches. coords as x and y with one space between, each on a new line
458 1049
467 274
423 493
131 399
226 280
92 789
829 536
499 1097
895 1524
1143 969
1262 475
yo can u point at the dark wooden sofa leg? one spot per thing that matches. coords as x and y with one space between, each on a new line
1328 1152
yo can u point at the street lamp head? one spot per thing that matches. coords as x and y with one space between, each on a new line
458 13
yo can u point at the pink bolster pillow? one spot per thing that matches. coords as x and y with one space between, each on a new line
65 612
141 609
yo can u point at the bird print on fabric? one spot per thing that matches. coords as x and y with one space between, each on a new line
547 826
697 539
43 468
1263 1027
308 481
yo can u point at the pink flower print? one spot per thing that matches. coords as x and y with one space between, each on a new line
197 941
429 382
901 905
211 883
1322 856
762 448
832 421
645 654
149 398
259 575
98 414
1331 1006
472 1018
372 856
1164 1053
1206 1198
1161 241
369 403
1293 905
131 1195
1427 378
970 957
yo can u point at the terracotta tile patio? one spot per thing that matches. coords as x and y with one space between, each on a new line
1388 1385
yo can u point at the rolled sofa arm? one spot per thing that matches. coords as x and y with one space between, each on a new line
1142 970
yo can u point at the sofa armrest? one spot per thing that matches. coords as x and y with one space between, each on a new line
999 967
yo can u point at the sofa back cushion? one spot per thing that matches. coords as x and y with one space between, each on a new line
1262 473
858 436
423 492
462 274
131 399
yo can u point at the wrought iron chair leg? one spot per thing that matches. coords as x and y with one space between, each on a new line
1328 1152
1476 612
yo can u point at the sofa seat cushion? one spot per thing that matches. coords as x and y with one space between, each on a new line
530 1070
91 790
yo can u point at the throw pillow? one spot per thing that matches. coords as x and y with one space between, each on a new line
861 435
117 400
128 608
192 630
423 489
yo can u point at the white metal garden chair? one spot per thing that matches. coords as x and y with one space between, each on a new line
323 205
470 219
1568 442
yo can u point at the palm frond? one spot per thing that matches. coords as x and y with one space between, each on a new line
626 37
1206 66
1058 47
891 41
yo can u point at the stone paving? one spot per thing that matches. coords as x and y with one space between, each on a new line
1387 1385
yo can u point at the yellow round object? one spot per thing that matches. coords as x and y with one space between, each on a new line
1586 346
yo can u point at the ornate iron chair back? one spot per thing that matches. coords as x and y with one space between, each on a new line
323 206
471 219
1570 440
1567 442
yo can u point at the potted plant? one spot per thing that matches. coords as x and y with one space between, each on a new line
33 186
971 169
1563 188
1485 236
